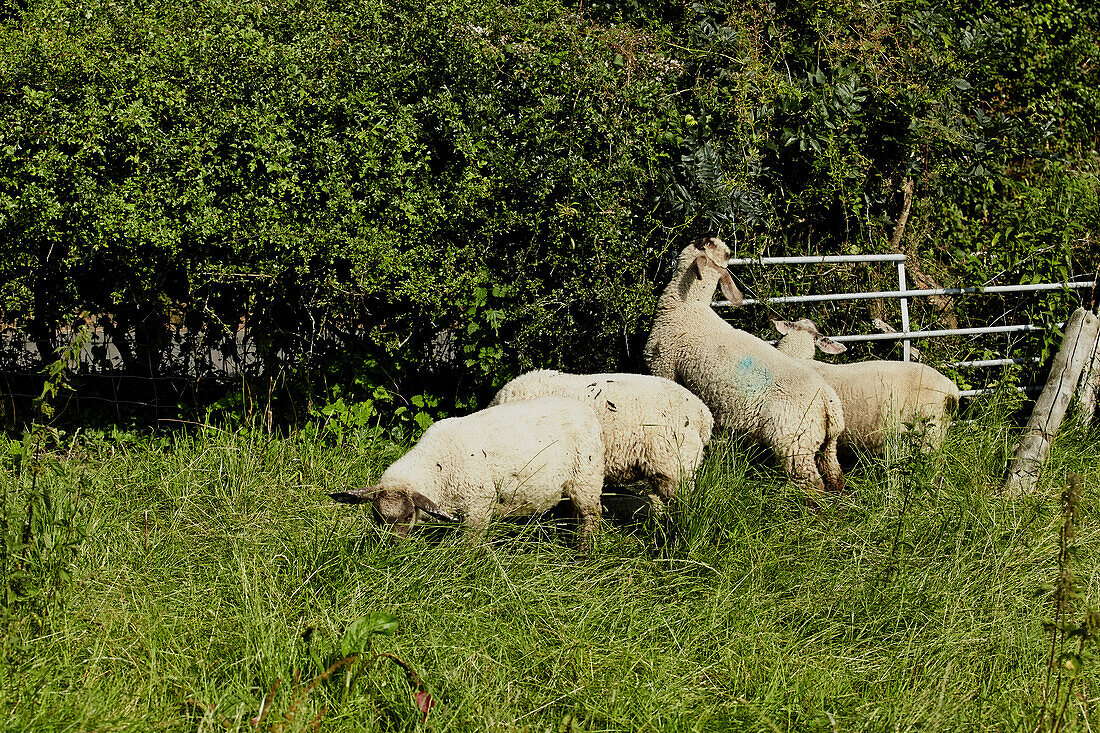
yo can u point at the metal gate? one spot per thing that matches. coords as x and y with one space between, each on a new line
904 294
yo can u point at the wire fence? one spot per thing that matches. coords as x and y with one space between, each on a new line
181 369
184 368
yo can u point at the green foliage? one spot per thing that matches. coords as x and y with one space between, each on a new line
220 163
355 658
40 527
57 376
426 199
359 635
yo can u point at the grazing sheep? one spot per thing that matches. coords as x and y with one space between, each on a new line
653 429
510 460
749 386
879 397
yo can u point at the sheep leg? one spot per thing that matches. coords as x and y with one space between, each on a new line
665 494
933 436
665 490
829 466
477 521
656 504
932 426
800 464
586 504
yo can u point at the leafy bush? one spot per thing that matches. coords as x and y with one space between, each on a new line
425 199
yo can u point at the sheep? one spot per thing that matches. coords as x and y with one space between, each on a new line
653 429
509 460
749 386
879 397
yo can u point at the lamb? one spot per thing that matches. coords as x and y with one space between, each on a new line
653 429
515 459
749 386
879 397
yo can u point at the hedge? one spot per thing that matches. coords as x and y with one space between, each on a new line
410 199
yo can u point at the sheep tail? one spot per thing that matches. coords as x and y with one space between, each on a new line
951 404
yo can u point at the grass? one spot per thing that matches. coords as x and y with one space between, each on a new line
212 566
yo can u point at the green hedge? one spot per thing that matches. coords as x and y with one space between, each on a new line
513 176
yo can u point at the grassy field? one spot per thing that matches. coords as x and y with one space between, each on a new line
202 581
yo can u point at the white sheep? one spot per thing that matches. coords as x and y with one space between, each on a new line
654 430
510 460
880 398
750 387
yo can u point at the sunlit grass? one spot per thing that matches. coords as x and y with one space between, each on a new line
214 566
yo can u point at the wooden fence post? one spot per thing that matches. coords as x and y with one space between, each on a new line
1090 385
1050 408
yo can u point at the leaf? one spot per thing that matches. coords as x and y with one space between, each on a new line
424 702
1069 662
358 634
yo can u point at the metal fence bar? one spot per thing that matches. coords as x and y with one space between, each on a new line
990 390
910 293
816 259
903 294
902 286
933 334
993 362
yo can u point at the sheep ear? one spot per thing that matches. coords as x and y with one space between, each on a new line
733 295
784 327
829 346
425 504
355 496
699 263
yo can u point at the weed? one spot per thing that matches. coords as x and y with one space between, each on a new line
40 532
1075 630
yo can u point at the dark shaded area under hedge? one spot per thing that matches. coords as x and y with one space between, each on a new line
405 204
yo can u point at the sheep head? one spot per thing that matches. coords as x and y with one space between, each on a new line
395 507
712 252
805 325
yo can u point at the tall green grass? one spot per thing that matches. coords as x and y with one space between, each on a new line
212 566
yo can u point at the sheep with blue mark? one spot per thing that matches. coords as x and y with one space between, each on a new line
750 387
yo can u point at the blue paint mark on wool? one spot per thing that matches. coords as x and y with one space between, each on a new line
752 376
